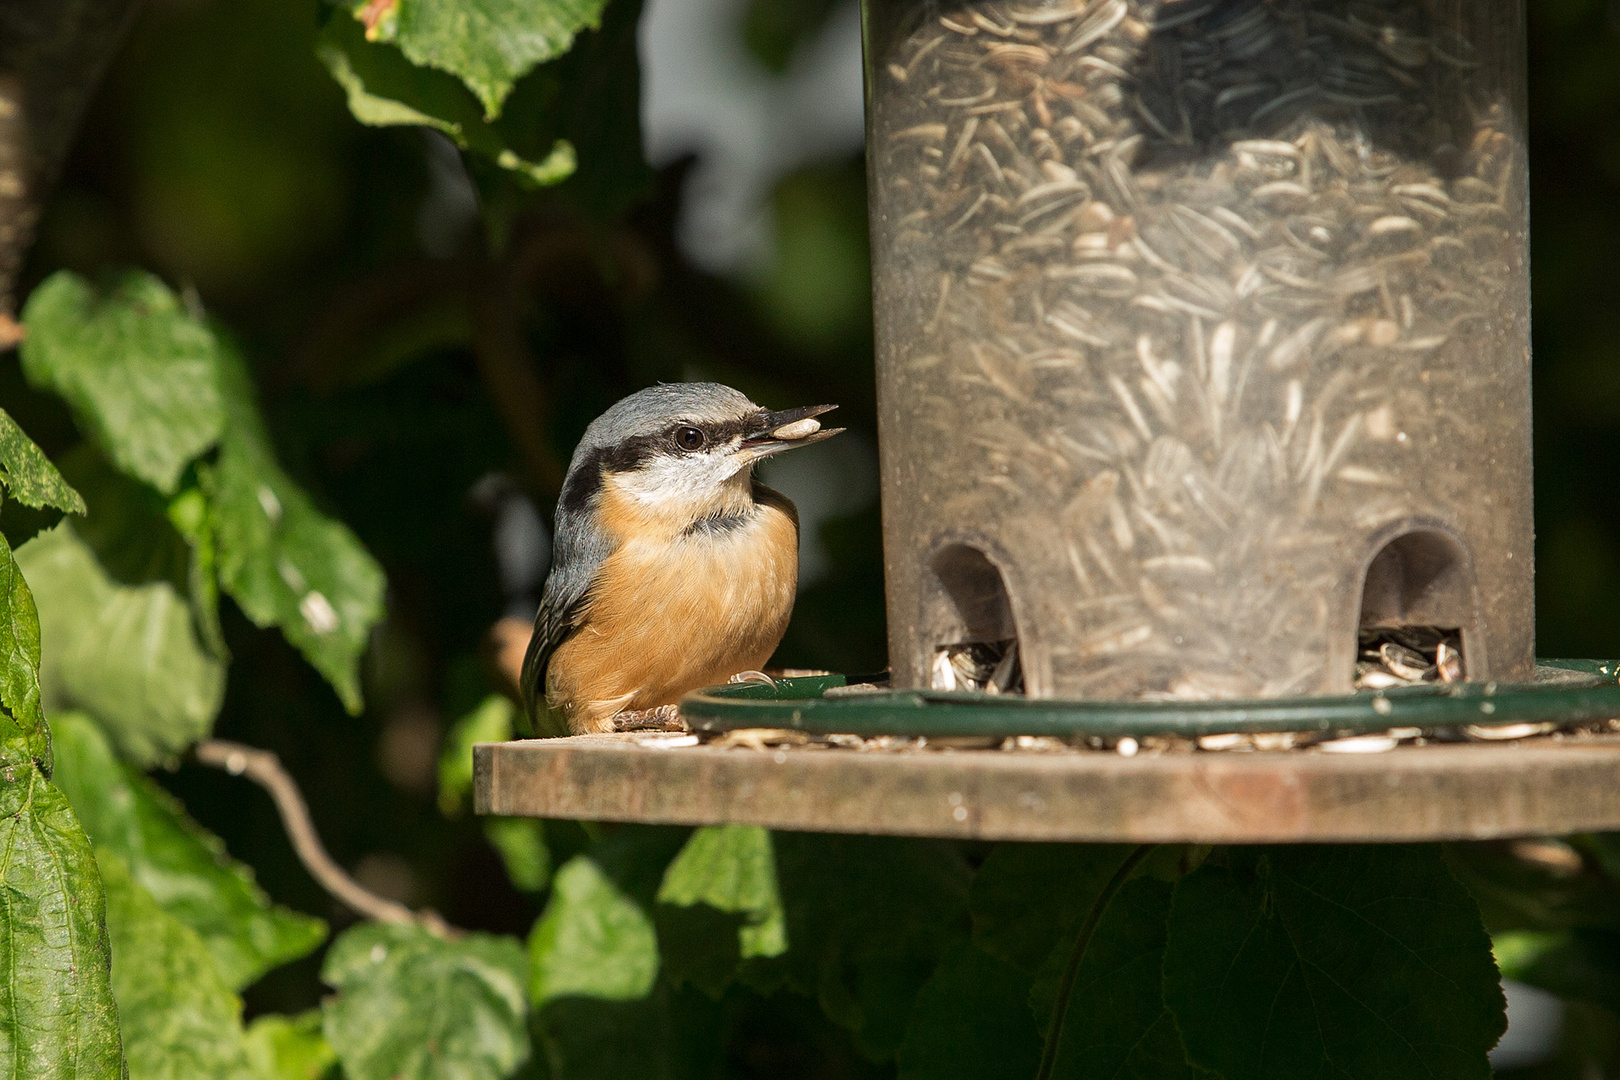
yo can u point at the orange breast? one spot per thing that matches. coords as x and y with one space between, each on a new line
672 613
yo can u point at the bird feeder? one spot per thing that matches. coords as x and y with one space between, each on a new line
1203 343
1204 404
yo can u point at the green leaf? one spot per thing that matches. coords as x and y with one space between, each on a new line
490 722
1028 898
970 1022
181 865
284 562
137 369
521 844
28 474
732 869
179 1019
384 89
1353 962
289 1047
412 1006
128 655
19 655
870 919
57 1019
592 940
1116 1026
488 44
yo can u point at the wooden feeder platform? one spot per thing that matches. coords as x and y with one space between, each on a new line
788 775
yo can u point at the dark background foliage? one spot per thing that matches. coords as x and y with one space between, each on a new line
220 154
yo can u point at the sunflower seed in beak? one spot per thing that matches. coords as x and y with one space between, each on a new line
798 429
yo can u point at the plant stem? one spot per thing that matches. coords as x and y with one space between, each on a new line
1071 970
265 769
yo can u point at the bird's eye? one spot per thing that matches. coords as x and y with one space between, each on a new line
689 438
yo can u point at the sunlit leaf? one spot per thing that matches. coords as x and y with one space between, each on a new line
384 89
1353 962
289 1047
1116 1026
181 865
136 367
28 474
57 1020
128 655
179 1019
592 940
284 562
413 1006
731 868
970 1022
488 44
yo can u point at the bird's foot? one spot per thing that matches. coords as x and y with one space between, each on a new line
752 676
661 718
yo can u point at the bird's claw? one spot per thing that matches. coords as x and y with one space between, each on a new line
661 718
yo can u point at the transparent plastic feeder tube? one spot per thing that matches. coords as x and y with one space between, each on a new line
1203 341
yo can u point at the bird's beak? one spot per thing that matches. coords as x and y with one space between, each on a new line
788 430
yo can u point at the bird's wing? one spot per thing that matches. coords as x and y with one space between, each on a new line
578 554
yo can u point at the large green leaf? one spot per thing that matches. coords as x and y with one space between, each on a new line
1029 898
283 561
1352 962
488 44
412 1006
137 369
970 1022
869 919
384 89
28 474
593 940
57 1019
1116 1026
183 866
179 1019
732 869
19 656
128 655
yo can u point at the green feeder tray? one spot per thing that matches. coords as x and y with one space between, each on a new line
1565 692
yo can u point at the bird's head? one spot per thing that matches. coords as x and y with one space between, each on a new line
684 449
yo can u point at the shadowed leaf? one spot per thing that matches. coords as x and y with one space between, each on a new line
1353 962
970 1022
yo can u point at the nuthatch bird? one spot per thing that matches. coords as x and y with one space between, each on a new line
673 568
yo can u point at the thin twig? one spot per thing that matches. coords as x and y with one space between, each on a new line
1071 970
265 769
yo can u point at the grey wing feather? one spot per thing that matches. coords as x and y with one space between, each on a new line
577 555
